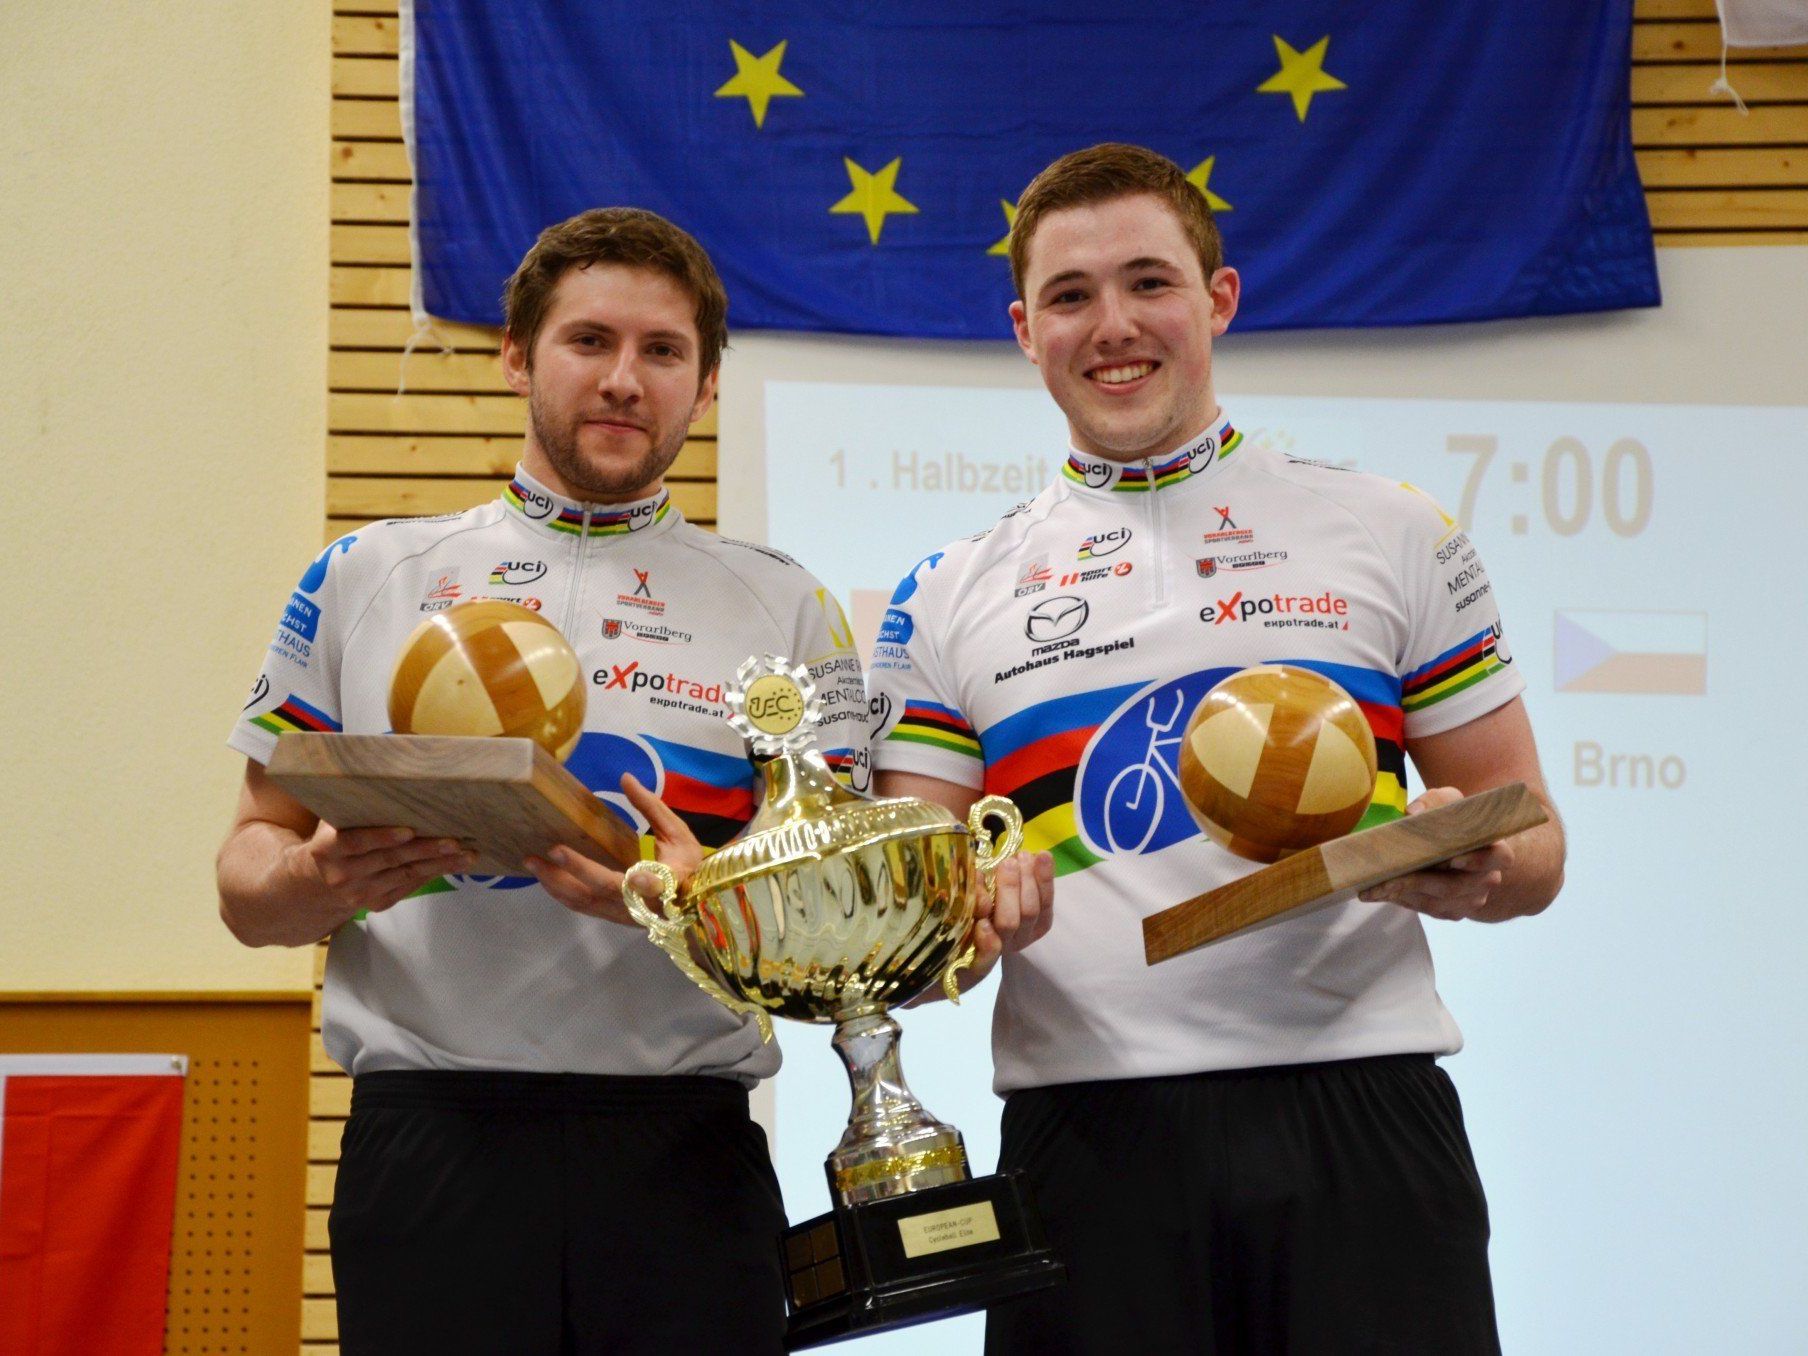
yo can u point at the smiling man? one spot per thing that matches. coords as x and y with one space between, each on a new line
549 1122
1249 1148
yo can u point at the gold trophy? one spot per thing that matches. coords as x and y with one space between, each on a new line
833 907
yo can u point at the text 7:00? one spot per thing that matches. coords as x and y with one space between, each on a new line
1566 481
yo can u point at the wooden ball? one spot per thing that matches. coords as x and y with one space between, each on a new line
489 668
1277 759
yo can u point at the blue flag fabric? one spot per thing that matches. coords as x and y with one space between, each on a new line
853 168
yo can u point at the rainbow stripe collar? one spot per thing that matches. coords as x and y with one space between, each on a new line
1115 477
555 513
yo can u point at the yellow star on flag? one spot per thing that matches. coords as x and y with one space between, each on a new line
1010 221
1302 74
1199 176
757 80
874 197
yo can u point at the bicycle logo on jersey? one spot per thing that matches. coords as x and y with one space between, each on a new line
1127 796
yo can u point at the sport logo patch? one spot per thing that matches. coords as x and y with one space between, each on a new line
1035 577
1228 533
442 592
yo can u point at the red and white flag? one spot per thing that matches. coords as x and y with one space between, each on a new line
88 1152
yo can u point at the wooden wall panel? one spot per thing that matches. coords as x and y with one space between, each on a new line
1713 176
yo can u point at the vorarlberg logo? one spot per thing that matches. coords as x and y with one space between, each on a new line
1056 618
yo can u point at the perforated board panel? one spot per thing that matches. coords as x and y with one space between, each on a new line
235 1263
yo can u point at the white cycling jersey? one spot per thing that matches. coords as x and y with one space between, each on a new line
1056 658
492 972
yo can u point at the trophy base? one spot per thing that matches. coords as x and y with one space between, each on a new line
931 1254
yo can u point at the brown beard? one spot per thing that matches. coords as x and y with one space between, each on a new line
560 444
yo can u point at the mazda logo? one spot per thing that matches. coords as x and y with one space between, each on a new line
1056 618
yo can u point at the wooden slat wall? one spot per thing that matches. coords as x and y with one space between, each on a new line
1713 176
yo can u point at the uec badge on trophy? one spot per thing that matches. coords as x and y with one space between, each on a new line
833 907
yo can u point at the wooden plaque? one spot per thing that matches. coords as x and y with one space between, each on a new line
1354 862
507 799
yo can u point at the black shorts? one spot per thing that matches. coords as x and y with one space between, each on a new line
1322 1209
555 1215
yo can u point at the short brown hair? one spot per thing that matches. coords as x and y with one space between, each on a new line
616 235
1102 174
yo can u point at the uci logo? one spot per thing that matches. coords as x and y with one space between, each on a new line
1200 454
1098 474
1104 543
536 505
878 714
518 572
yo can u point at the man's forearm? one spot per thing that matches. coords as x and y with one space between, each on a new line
1532 882
264 899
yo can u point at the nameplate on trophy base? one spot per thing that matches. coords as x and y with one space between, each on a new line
1353 862
913 1258
505 799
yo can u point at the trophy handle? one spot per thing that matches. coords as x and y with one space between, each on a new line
670 934
992 853
951 971
989 854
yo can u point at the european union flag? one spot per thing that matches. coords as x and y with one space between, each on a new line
855 167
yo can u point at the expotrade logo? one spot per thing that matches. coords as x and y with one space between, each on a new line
1325 610
1056 618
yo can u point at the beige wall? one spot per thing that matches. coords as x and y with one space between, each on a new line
163 269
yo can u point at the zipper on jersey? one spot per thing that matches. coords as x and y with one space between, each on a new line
577 577
1158 550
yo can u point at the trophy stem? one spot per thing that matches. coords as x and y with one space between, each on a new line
891 1145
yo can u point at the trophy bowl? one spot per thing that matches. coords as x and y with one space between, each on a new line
834 907
864 905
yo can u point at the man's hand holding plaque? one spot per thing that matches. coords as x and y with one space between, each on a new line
1278 765
586 886
486 700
